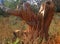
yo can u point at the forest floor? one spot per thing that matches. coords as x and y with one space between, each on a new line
9 24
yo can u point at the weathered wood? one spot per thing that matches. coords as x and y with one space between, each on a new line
38 24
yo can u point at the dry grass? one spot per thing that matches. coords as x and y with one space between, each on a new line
11 23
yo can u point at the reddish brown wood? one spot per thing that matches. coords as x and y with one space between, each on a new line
38 24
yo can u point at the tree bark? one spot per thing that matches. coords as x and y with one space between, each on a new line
38 24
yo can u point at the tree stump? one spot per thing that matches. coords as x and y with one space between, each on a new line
38 24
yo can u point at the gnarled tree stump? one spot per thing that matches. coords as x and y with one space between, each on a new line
38 24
